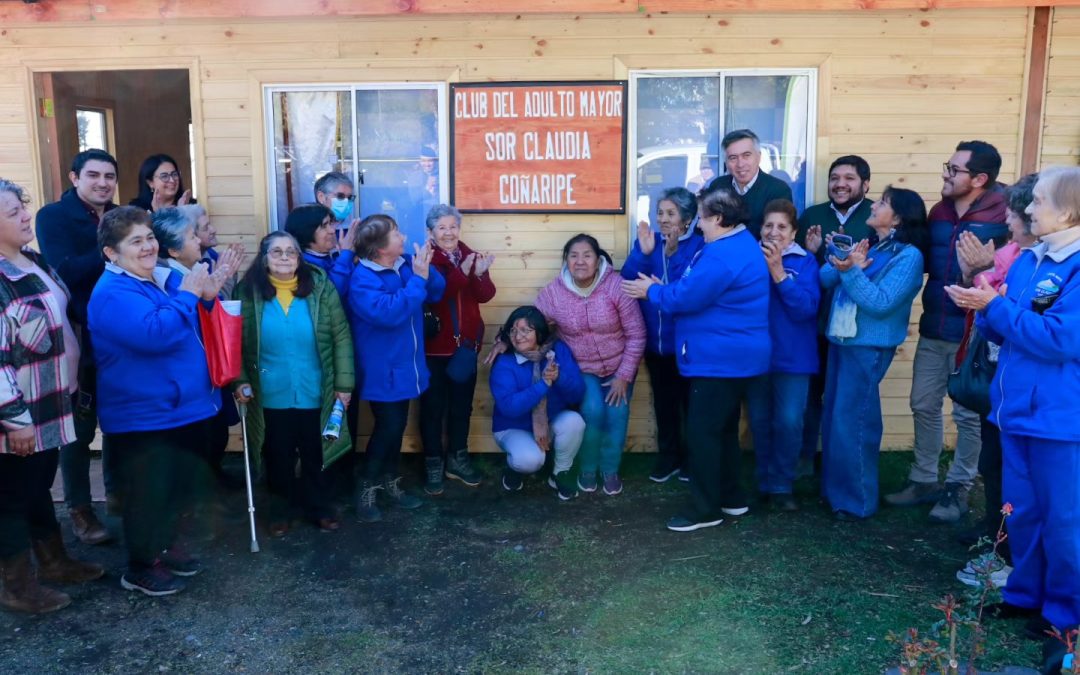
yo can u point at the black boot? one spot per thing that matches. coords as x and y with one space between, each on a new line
398 497
459 467
433 470
366 510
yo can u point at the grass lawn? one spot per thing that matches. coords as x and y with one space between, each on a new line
484 581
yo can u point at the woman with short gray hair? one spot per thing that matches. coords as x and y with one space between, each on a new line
448 400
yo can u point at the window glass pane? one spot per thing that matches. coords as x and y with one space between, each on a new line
677 137
776 108
91 129
313 135
397 140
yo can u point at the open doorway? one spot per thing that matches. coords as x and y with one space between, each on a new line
131 114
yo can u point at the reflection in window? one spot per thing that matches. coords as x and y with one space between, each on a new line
681 119
93 128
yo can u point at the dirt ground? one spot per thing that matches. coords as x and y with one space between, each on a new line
479 580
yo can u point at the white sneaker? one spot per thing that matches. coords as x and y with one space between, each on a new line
977 568
736 511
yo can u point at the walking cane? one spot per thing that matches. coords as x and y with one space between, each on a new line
246 391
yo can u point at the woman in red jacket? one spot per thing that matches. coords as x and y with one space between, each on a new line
451 351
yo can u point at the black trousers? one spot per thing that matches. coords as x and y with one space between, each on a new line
712 434
384 447
671 397
26 507
815 402
990 464
292 434
163 473
445 401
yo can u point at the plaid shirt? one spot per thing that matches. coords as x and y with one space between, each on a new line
33 377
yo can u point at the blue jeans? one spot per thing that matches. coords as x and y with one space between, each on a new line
1041 479
851 428
605 427
777 403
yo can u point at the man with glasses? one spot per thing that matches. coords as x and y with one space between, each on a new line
971 202
742 158
334 190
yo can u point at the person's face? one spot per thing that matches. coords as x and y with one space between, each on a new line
191 251
845 186
962 184
1046 218
582 262
96 183
446 233
671 222
16 225
523 336
882 215
165 181
340 191
427 164
742 160
1016 225
205 232
324 239
282 258
710 226
395 244
778 229
137 252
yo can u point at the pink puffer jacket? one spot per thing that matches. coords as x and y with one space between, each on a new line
604 331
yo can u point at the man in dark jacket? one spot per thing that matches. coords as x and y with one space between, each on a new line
67 236
742 157
971 202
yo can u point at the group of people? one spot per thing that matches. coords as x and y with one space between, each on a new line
736 299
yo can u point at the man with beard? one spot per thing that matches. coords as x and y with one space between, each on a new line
845 212
971 202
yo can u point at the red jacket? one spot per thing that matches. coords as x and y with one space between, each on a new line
467 293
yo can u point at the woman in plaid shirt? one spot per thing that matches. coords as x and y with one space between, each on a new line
39 358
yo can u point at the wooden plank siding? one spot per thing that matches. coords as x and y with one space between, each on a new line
899 87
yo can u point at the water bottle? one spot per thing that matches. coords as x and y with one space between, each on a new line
333 425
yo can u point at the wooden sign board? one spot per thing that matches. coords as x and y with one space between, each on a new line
538 147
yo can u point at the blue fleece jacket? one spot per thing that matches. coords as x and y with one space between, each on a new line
385 308
884 302
324 261
793 306
151 365
721 309
515 394
660 325
1036 388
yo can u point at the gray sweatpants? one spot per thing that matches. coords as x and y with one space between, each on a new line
525 456
934 360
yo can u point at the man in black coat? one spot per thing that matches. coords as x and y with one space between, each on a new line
742 157
67 236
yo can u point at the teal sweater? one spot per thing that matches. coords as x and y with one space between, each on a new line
289 359
884 302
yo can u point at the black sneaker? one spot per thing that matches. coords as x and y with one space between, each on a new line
398 497
459 467
154 580
511 480
684 475
665 469
433 473
181 563
683 524
564 484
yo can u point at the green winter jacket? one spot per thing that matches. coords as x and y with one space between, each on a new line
334 342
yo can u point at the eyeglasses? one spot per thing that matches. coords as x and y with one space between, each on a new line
521 332
283 253
175 175
952 170
342 195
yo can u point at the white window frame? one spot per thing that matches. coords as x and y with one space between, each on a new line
722 74
352 87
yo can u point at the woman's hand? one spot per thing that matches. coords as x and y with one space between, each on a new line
813 239
483 263
551 373
184 198
639 288
543 442
243 394
467 264
231 260
194 280
856 258
645 238
616 395
421 262
497 347
213 283
21 441
975 299
774 258
973 255
344 396
348 240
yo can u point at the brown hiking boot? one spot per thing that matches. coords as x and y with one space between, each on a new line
54 563
87 527
914 493
21 590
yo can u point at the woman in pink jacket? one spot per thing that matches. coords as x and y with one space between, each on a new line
605 332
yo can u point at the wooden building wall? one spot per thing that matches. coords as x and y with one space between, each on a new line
900 88
1061 126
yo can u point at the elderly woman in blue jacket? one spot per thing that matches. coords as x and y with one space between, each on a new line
534 385
721 309
874 288
666 254
1035 402
386 294
155 398
777 403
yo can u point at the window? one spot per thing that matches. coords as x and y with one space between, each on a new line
92 126
680 117
387 137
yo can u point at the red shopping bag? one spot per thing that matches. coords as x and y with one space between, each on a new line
221 338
